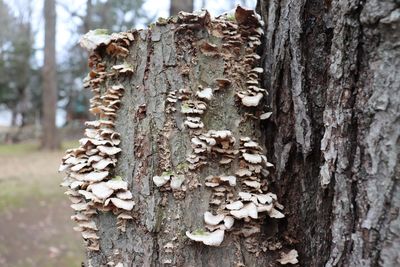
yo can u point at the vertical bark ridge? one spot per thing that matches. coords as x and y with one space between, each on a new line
340 55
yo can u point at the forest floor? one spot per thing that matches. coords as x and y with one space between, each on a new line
35 226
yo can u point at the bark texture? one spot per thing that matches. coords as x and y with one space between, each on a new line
170 125
49 95
332 72
332 69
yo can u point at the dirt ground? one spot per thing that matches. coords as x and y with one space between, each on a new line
35 229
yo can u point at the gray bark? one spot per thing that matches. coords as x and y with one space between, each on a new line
175 55
333 69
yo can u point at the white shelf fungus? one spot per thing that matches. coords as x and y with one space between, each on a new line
161 180
228 222
249 210
206 93
120 203
252 100
211 219
176 181
290 257
252 158
207 238
117 183
265 116
94 38
235 205
101 190
96 176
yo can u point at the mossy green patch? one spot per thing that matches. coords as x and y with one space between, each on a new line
167 173
199 232
117 178
17 149
101 31
182 166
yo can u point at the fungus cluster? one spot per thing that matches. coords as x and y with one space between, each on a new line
250 28
290 257
237 27
175 180
193 109
217 142
241 193
90 182
247 205
238 189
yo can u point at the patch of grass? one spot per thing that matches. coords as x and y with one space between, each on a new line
71 255
3 249
18 149
30 147
14 193
29 190
70 261
67 260
69 144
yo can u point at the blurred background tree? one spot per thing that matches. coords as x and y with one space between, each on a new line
17 71
50 139
181 5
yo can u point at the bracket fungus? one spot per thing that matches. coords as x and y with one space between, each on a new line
89 167
290 257
251 100
175 180
241 196
207 238
206 93
95 38
161 180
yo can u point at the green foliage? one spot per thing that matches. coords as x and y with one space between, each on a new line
17 73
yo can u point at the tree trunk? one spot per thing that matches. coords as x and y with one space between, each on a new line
192 148
180 5
49 135
14 115
333 69
87 21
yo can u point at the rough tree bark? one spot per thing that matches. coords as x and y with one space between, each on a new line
332 68
49 98
188 129
332 72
